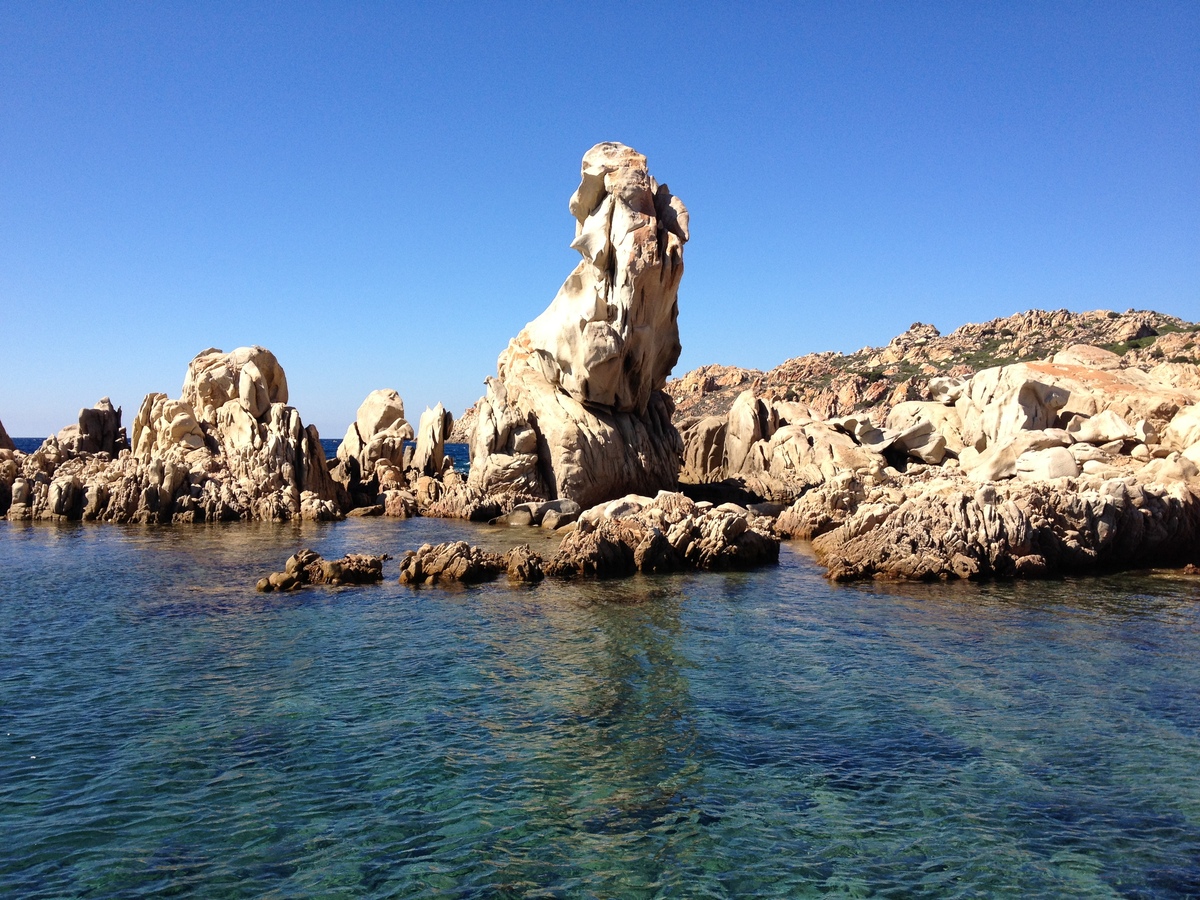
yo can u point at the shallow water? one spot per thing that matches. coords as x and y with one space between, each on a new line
165 730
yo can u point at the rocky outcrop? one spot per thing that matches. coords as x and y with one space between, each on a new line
577 409
435 426
370 460
6 443
778 449
878 378
250 375
244 454
307 567
946 526
1068 466
97 431
666 533
458 561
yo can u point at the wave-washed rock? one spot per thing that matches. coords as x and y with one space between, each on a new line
577 409
666 533
229 448
1070 465
308 567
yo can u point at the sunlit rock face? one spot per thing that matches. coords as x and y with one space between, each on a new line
577 408
229 448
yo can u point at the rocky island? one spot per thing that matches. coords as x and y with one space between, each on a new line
1042 444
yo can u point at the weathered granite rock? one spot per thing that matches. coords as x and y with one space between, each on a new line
226 464
370 459
452 561
577 409
778 450
97 431
432 431
250 375
307 567
523 565
1182 433
667 533
918 363
6 443
945 526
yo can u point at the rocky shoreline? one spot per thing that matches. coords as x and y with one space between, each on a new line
1039 445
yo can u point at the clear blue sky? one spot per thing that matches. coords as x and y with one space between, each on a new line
378 192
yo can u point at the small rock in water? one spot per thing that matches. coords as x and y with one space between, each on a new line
307 567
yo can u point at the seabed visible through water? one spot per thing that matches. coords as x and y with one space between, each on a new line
166 730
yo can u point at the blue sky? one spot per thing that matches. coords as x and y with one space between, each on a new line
378 192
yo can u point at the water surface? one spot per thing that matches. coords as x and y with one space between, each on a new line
165 730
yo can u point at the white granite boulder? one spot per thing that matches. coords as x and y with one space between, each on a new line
577 408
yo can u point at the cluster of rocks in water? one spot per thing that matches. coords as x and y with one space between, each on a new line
909 461
307 567
666 533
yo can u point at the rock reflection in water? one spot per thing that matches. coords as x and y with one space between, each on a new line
167 728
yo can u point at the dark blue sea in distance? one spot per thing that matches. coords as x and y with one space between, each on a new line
167 731
458 452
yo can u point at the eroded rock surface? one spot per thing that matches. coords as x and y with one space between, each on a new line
308 567
370 460
943 526
244 454
652 535
577 409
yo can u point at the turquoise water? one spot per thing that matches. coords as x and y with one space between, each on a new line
167 731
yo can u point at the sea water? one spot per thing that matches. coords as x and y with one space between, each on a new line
167 731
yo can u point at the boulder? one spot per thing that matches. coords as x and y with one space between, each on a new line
452 561
1101 428
944 419
97 431
435 426
577 408
1045 464
376 435
999 402
250 375
999 460
1182 433
307 567
703 449
371 455
1087 356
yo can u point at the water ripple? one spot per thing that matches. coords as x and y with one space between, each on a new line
164 730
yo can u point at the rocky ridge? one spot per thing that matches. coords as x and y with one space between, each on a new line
877 378
1080 462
